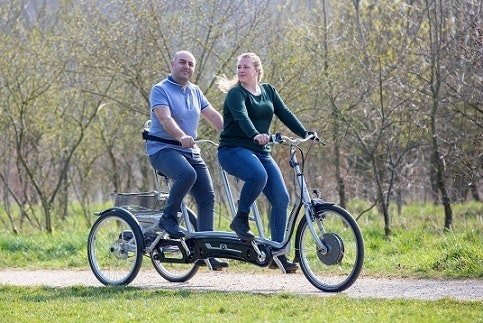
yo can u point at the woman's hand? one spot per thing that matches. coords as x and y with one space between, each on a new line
314 133
262 139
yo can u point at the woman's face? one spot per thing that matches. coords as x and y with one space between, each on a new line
246 71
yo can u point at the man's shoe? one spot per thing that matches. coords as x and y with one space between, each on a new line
290 267
215 264
241 227
126 236
149 237
171 226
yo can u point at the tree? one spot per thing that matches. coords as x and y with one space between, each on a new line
386 83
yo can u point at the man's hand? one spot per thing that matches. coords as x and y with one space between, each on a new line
187 141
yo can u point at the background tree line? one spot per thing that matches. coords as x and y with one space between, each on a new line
394 87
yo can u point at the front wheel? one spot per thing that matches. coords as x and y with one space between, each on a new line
338 266
115 248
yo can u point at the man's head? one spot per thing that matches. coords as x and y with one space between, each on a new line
183 66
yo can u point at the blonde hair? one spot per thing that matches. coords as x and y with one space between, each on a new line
225 84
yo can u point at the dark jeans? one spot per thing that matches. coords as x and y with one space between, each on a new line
260 173
189 173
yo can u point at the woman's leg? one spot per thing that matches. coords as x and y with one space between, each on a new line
277 194
245 165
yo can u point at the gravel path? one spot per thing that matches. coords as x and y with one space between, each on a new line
261 282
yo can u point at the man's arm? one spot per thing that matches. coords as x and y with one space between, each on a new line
213 116
169 124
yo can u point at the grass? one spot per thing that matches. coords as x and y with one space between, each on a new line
418 247
108 304
421 253
65 249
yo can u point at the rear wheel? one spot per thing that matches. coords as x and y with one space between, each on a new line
339 266
115 248
174 271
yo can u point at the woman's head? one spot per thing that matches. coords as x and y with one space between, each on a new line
246 61
253 60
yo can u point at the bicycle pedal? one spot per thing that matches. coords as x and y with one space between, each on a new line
149 237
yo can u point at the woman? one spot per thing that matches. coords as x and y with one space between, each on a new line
247 112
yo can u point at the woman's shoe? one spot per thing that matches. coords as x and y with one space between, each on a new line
290 267
241 227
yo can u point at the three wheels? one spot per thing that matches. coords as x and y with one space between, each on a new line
332 263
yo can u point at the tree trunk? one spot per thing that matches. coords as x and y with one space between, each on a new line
437 164
338 175
474 192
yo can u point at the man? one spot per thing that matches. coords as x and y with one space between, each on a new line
176 105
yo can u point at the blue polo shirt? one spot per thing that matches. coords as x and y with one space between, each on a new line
185 106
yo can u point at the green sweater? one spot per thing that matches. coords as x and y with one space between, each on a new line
246 115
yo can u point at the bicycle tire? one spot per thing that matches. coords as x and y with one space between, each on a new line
175 272
115 248
340 267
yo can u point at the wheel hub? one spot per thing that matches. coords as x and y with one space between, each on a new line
119 251
335 249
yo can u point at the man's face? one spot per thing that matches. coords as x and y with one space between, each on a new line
183 67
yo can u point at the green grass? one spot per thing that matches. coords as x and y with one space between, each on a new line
422 253
108 304
65 249
418 247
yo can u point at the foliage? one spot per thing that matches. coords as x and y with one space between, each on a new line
75 80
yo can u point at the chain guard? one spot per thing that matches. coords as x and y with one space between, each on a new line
231 248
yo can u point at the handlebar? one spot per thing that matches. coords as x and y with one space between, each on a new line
201 141
278 138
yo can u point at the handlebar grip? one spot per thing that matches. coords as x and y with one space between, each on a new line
312 133
276 138
315 137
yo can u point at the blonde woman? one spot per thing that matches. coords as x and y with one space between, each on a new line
248 111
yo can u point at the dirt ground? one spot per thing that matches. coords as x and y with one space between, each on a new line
268 282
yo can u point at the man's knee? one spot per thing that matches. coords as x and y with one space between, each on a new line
187 176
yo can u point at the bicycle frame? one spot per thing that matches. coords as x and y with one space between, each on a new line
280 248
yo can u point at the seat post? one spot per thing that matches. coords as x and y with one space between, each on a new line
156 181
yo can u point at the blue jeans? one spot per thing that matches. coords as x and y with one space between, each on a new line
260 173
189 174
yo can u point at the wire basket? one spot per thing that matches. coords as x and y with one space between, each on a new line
140 201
